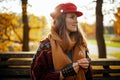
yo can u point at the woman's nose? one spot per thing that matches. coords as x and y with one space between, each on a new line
75 20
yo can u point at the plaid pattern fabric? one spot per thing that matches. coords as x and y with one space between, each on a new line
42 65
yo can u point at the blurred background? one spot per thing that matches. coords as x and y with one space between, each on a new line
23 23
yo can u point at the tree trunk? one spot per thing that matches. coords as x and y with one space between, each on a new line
100 30
25 46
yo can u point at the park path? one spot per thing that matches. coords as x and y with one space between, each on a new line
94 49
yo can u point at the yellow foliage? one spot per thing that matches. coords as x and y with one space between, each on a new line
89 30
11 31
35 34
38 25
117 22
35 21
117 27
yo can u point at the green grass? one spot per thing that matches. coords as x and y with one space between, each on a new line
92 41
113 44
108 43
117 55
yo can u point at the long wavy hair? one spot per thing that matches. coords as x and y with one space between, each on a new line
59 26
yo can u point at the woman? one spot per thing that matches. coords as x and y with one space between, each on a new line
63 55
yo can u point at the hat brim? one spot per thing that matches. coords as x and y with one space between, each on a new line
54 14
79 13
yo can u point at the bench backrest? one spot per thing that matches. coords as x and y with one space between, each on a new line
16 66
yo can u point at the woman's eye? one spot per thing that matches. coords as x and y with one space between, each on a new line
72 17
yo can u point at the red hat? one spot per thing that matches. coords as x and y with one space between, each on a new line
64 8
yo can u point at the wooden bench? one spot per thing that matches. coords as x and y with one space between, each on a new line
16 66
106 69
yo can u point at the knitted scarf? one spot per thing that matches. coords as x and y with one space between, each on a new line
60 58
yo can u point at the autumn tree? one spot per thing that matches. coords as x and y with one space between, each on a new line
25 46
89 29
38 28
117 22
100 30
10 31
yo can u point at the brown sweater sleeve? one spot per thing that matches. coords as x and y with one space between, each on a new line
42 66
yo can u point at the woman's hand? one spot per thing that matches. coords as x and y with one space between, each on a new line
76 67
84 63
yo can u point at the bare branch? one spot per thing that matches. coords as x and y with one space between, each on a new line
16 33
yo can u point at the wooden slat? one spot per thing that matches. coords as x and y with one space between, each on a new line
15 72
101 71
15 62
107 78
17 52
105 62
16 55
18 78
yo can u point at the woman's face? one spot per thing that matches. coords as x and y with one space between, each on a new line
71 22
